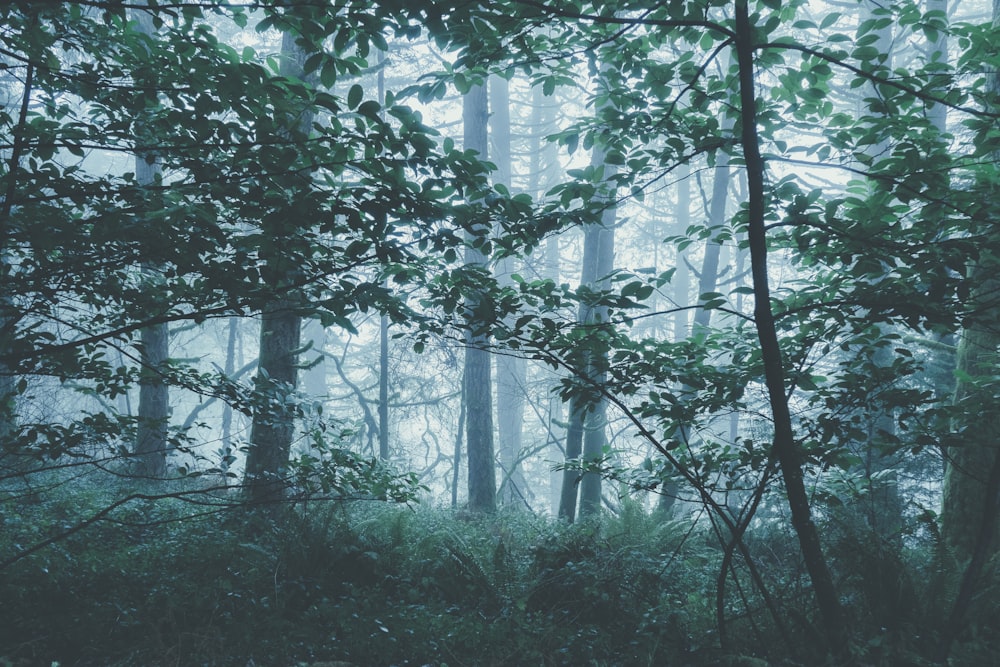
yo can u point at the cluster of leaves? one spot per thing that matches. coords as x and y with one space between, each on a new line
91 255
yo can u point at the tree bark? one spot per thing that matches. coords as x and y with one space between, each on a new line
154 400
588 418
477 376
784 445
273 427
511 369
227 409
967 503
383 325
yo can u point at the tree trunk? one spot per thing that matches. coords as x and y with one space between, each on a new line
708 281
682 321
970 512
478 373
383 325
588 418
227 409
273 427
883 507
784 446
511 369
459 436
154 400
966 503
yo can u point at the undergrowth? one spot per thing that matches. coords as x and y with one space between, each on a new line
377 585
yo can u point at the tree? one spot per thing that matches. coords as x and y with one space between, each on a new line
586 434
477 379
970 511
154 398
273 426
784 445
511 368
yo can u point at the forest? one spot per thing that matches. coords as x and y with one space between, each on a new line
498 333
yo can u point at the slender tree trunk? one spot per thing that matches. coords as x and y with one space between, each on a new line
383 388
383 325
154 400
588 418
8 312
681 283
511 369
709 279
574 448
273 427
784 446
459 436
478 373
883 507
227 409
543 171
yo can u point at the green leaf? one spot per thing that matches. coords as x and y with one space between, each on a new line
370 109
829 20
354 96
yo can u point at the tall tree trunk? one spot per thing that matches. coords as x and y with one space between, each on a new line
8 312
785 447
383 388
586 434
970 512
883 505
227 409
511 369
273 427
154 399
459 437
543 160
682 321
383 324
478 374
970 499
937 51
709 279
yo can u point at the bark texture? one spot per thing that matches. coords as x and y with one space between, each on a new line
273 427
478 376
586 433
784 445
154 400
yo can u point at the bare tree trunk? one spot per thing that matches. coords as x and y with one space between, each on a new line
478 373
383 325
459 436
588 419
784 446
883 507
154 400
682 321
273 427
511 369
227 409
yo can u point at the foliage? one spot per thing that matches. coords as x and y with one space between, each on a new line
375 585
364 212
